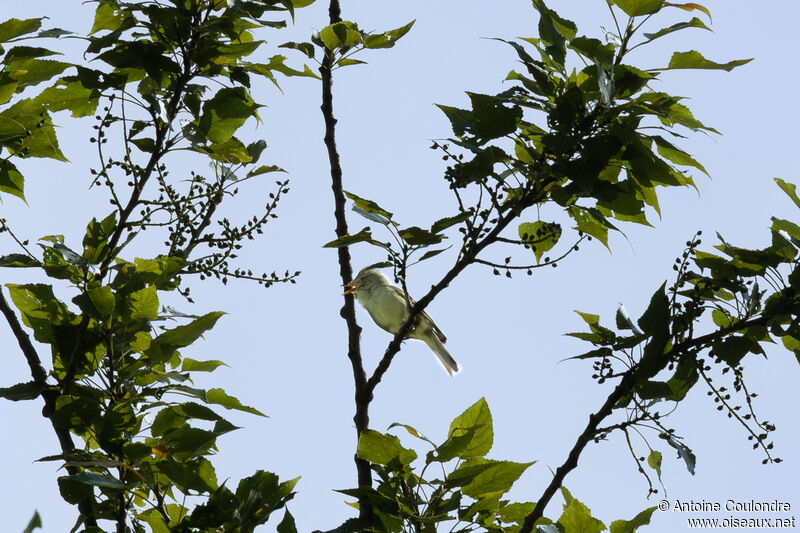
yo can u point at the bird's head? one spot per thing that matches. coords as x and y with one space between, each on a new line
365 279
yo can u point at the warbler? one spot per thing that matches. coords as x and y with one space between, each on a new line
386 304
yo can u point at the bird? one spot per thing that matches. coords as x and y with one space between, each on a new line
386 304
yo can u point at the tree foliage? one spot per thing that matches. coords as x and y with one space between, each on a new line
580 129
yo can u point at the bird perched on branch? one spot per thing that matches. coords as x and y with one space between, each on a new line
386 304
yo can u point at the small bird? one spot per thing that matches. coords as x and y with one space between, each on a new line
386 304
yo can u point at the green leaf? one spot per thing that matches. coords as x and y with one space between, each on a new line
594 49
185 335
695 60
690 6
479 418
684 378
307 48
11 181
96 239
96 480
444 223
154 519
654 461
18 261
40 309
141 304
790 189
287 524
346 61
637 8
432 253
694 23
29 72
22 391
387 39
416 236
34 523
676 155
478 477
491 119
591 222
27 127
72 490
368 206
732 349
98 302
12 28
347 240
655 323
220 397
225 113
107 17
382 449
411 430
190 365
630 526
192 475
70 93
340 34
539 236
578 518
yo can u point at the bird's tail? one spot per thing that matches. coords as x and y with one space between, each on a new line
447 361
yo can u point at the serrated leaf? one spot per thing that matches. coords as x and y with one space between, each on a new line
694 23
347 240
695 60
22 391
18 261
444 223
674 154
264 169
631 526
416 236
220 397
386 39
346 61
190 365
790 189
540 236
381 449
478 477
368 206
479 417
225 113
340 34
12 28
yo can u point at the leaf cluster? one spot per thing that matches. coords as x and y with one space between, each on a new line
470 495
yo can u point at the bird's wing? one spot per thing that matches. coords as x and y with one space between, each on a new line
425 316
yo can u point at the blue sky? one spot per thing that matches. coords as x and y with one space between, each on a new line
286 345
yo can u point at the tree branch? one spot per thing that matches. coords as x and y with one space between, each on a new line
39 375
363 395
626 384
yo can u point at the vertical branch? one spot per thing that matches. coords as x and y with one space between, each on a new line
85 506
363 396
622 388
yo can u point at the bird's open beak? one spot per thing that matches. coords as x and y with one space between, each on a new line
353 286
